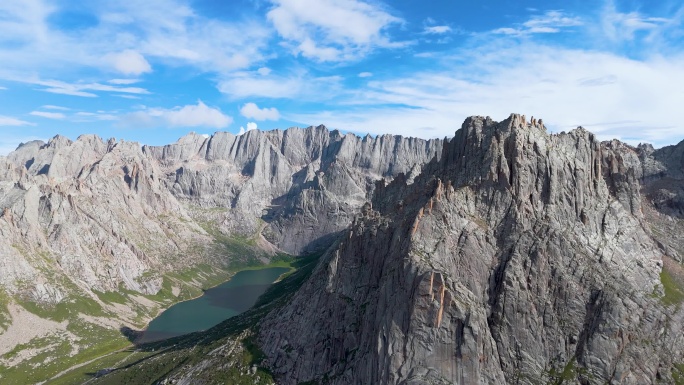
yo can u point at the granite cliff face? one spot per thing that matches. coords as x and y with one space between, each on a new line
517 257
84 212
305 184
102 214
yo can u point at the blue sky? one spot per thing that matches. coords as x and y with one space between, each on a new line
153 70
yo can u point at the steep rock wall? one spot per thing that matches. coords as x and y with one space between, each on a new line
516 257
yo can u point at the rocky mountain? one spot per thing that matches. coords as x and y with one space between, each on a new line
110 232
302 185
503 255
106 213
517 257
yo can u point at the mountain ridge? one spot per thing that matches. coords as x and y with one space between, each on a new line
438 245
505 267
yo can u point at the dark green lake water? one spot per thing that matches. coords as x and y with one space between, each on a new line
214 306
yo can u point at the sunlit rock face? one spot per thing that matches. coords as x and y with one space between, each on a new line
97 215
516 257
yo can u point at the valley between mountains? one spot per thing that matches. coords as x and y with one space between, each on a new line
504 254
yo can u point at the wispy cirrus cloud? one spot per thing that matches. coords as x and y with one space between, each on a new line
86 116
437 29
13 122
123 81
48 115
625 27
82 89
294 84
53 107
550 22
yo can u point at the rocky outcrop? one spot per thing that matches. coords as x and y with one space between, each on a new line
90 213
517 257
104 214
305 184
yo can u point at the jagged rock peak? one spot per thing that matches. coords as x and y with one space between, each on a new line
515 255
59 141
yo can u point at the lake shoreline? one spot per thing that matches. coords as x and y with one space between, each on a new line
237 294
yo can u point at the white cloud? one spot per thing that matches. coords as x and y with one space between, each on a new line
199 115
48 115
2 88
11 121
618 26
244 85
507 31
264 71
129 62
553 19
437 29
196 116
252 111
299 84
52 107
356 27
365 74
80 89
549 22
127 34
84 116
250 126
123 81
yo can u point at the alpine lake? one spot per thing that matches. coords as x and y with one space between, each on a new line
215 306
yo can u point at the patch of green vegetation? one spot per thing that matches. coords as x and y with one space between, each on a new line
280 260
236 251
156 369
569 375
111 297
54 354
5 318
678 374
69 308
206 275
280 291
569 372
674 292
253 353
